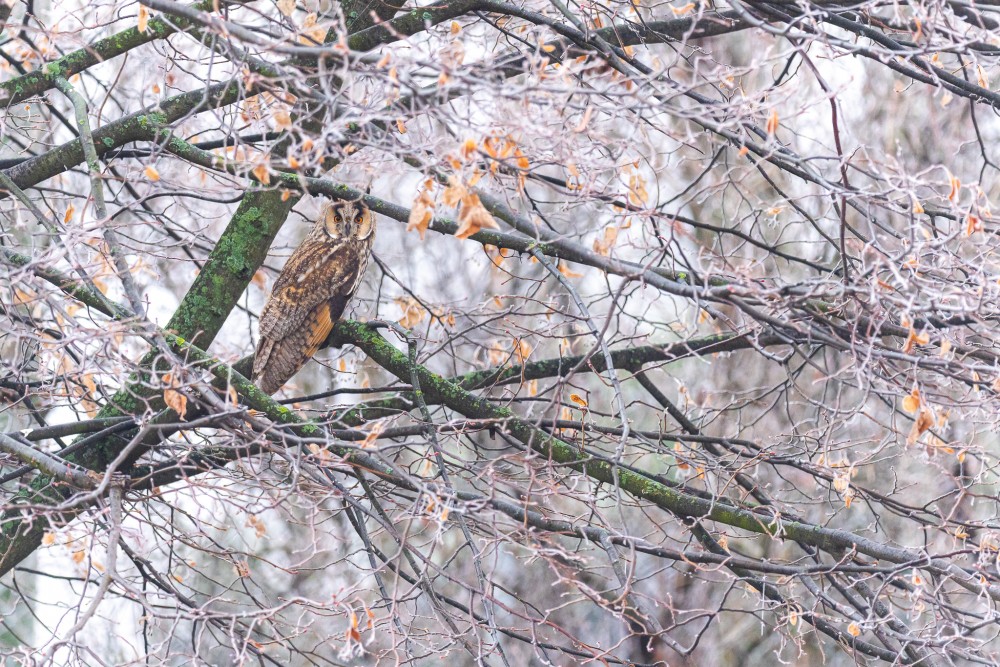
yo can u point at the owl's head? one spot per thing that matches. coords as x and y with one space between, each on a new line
348 219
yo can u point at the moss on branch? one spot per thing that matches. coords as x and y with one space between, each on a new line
239 252
44 78
756 520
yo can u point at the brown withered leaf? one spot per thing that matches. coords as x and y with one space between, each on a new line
373 434
568 272
473 217
413 312
174 399
454 193
921 424
282 119
422 211
637 193
259 528
91 390
914 339
773 122
262 173
603 245
310 33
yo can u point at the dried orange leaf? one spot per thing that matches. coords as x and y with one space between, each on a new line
842 481
421 213
91 386
915 339
258 526
286 7
454 193
262 173
70 210
923 422
468 148
311 34
603 245
973 224
373 434
473 217
579 400
143 18
413 312
772 123
174 399
523 350
956 186
637 193
282 119
569 273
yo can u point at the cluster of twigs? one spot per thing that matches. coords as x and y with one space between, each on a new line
678 345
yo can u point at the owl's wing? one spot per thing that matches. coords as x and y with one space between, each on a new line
316 273
308 298
279 358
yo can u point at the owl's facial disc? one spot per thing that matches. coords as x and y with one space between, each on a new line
348 219
333 221
364 222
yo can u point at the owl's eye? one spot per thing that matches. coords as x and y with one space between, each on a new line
337 219
358 217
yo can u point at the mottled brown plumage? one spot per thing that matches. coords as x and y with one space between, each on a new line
312 291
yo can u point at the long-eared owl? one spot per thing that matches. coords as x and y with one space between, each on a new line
312 291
